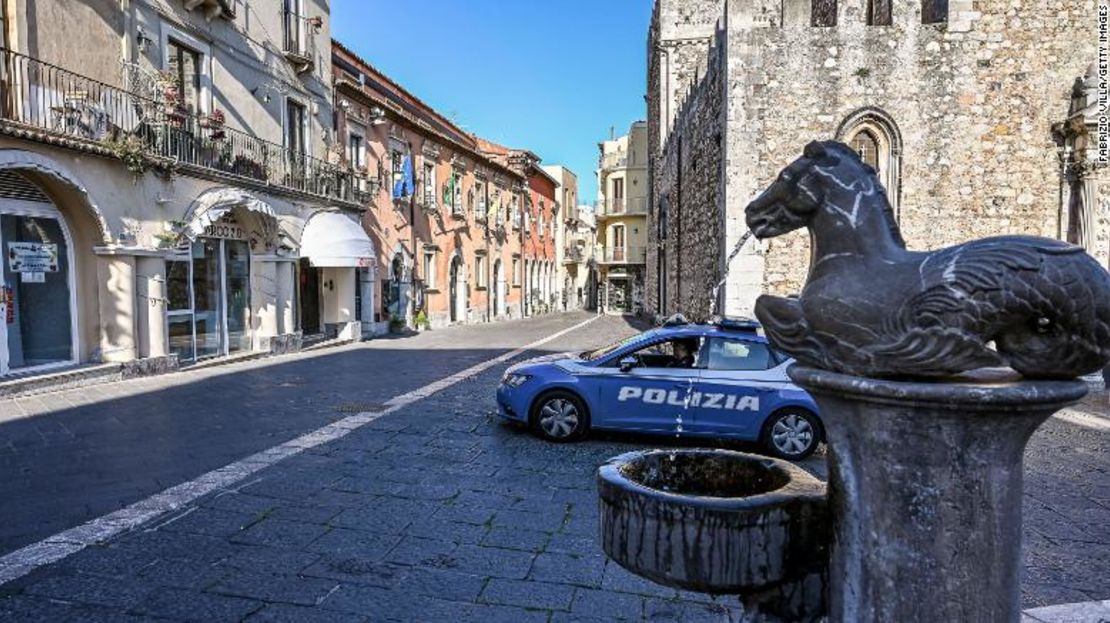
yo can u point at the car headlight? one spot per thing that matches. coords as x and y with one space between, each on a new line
515 380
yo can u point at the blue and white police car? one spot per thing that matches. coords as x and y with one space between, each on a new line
718 380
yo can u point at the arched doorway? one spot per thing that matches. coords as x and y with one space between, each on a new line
34 187
457 289
498 289
38 306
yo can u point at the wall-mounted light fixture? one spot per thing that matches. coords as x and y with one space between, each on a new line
262 93
142 40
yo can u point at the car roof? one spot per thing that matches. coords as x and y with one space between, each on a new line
709 330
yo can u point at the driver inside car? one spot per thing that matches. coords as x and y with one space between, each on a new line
684 354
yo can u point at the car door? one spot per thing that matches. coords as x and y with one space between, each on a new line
652 395
739 379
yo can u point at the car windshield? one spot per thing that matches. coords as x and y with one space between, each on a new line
594 355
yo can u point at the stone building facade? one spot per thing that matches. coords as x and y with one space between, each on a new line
953 102
440 207
566 207
167 182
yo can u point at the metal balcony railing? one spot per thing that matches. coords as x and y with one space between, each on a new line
621 206
300 37
142 129
624 255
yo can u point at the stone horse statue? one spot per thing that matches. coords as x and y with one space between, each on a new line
872 308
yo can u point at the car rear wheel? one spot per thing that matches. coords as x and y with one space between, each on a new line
559 416
792 434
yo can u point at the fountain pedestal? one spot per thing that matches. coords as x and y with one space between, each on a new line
925 488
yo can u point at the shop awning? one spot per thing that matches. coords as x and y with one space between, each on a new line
331 239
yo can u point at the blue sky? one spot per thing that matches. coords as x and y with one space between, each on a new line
547 75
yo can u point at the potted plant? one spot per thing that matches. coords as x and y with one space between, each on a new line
214 121
396 324
421 321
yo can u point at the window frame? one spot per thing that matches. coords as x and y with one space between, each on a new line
182 39
286 124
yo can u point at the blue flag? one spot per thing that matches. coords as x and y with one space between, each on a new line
405 186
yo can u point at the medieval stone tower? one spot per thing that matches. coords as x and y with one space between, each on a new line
952 101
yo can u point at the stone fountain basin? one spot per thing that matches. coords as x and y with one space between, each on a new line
713 521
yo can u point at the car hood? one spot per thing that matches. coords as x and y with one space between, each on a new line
543 360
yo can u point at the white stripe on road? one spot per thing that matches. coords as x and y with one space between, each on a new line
52 549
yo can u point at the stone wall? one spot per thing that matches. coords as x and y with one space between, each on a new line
686 229
970 105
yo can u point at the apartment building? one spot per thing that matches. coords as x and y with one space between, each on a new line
441 210
621 213
170 186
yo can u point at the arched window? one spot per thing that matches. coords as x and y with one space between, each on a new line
879 13
873 135
934 11
824 13
867 146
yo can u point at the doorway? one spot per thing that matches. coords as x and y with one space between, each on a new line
498 290
309 294
209 299
456 290
36 292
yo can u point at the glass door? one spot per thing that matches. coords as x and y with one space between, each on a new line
35 293
237 286
209 311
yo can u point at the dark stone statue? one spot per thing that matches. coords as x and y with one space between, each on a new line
872 308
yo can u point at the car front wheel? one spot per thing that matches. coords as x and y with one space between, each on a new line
792 434
560 416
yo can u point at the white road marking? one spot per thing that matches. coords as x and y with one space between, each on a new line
54 548
1082 419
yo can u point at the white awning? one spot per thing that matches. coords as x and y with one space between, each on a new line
331 239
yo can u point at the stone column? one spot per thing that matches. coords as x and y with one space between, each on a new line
266 303
151 307
925 487
287 298
116 297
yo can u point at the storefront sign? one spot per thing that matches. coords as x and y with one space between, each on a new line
223 229
32 257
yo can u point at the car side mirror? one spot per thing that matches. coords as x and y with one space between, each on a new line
628 363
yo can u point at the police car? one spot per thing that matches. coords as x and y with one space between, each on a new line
718 380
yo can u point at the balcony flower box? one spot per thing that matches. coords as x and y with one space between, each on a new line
214 120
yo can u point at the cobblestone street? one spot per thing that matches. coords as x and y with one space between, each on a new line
437 511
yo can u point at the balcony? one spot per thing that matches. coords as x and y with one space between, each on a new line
299 45
614 160
624 255
621 206
43 102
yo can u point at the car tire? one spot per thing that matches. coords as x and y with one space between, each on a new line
559 416
792 434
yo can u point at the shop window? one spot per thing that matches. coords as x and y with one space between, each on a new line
934 11
879 13
824 13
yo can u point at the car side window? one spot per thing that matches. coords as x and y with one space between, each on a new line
739 355
676 353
